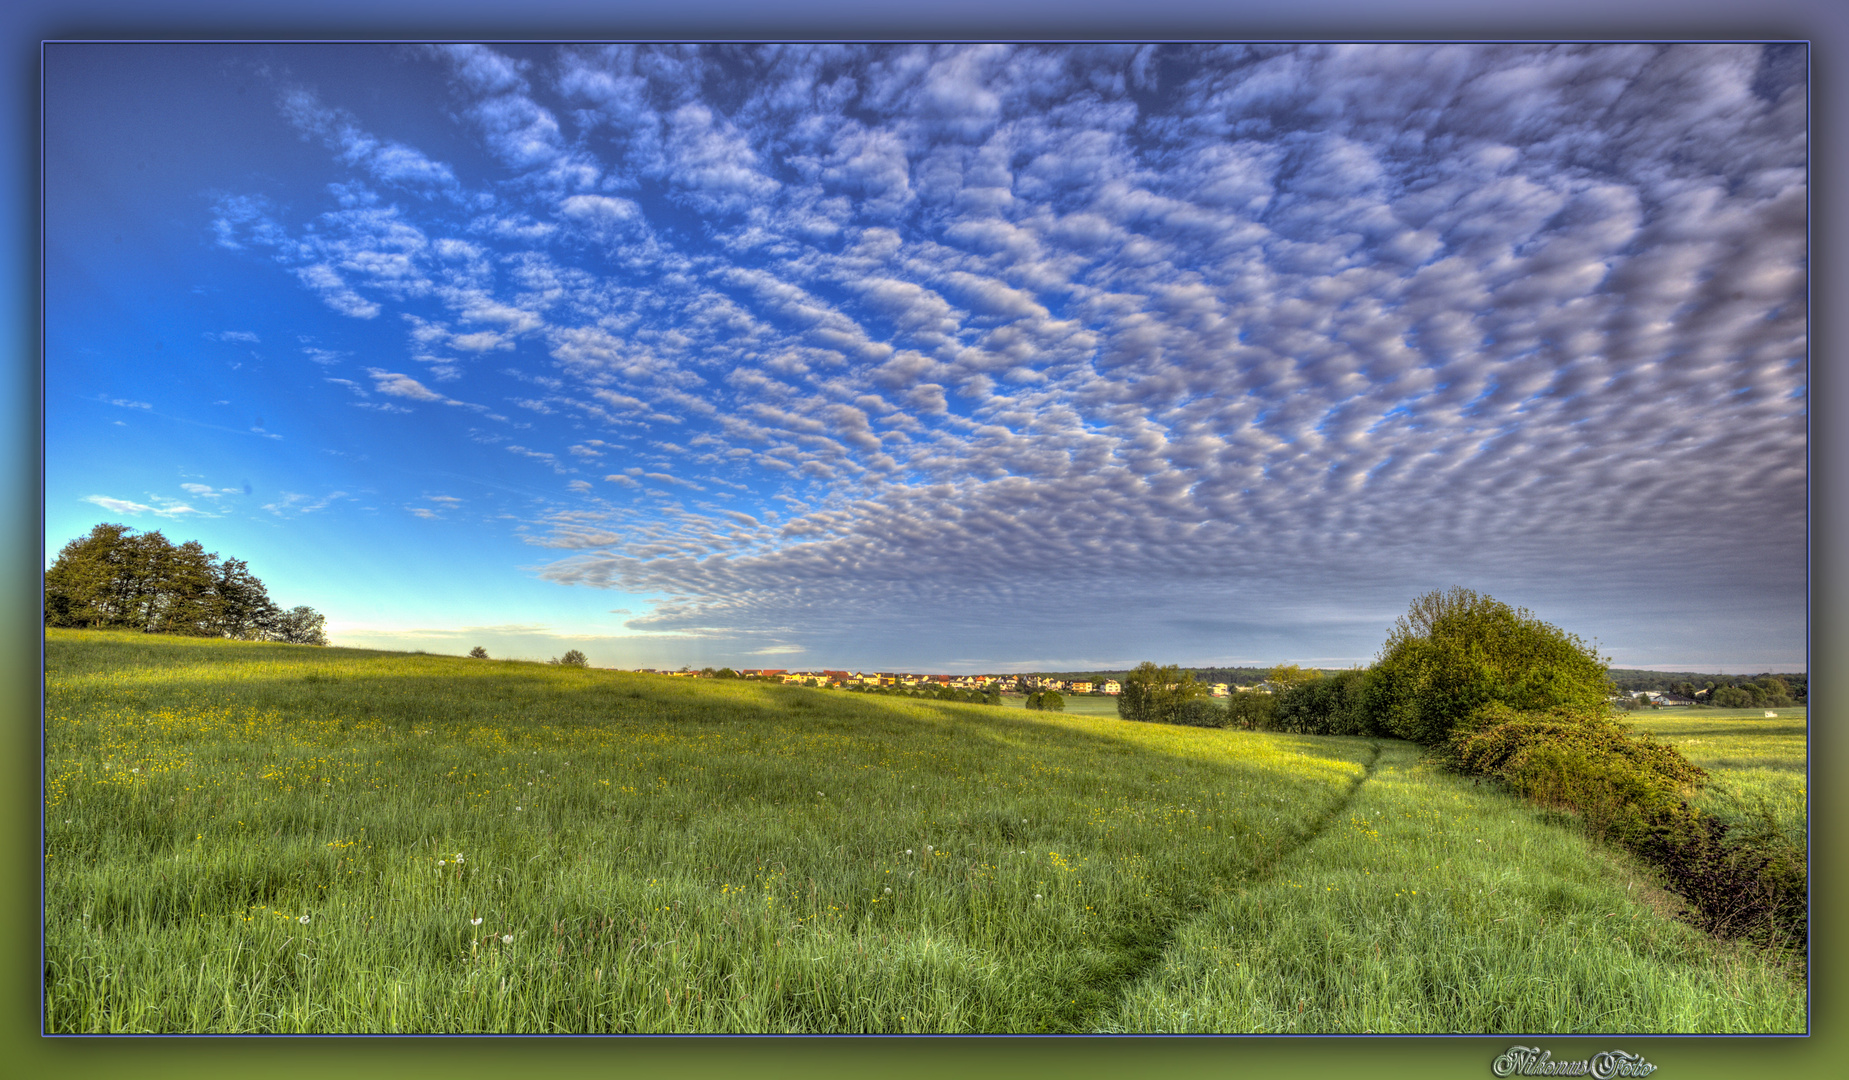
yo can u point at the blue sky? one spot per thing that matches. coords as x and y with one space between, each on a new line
943 358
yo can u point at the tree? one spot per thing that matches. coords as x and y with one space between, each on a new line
1455 651
726 673
1046 701
1286 677
574 658
300 625
1249 710
1325 705
245 610
478 653
92 582
1154 694
114 579
1732 697
1201 712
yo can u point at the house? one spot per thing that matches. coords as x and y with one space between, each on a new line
1080 687
1218 690
1111 686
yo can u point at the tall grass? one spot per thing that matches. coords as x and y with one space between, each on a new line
1434 904
267 838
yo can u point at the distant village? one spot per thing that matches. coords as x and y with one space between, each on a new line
1680 689
1006 684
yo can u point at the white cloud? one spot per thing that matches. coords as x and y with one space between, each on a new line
1166 322
400 385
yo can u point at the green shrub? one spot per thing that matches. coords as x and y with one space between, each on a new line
1047 701
1456 651
1201 712
1250 711
1633 790
1157 695
1328 705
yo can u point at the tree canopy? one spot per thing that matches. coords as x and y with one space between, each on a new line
1455 651
117 579
1157 694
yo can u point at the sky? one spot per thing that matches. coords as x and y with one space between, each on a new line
943 358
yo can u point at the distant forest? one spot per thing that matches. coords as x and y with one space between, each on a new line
114 579
1763 688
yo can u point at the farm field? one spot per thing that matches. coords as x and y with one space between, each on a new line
269 838
1756 763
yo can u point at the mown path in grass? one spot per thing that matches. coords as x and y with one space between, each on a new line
1440 905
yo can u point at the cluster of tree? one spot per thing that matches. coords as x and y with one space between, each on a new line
1726 691
117 579
1451 654
572 658
1047 701
1696 685
1770 691
1167 695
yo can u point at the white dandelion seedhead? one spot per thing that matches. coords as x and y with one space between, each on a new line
929 849
1036 896
475 922
889 890
908 851
440 862
303 920
519 808
507 939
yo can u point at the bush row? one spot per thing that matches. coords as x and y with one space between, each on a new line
1633 791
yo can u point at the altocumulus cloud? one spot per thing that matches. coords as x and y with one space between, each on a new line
929 347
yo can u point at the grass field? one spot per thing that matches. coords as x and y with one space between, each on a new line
1756 763
1076 704
267 838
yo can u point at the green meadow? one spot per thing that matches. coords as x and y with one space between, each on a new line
1074 704
1756 763
269 838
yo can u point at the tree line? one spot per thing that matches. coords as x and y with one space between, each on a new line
117 579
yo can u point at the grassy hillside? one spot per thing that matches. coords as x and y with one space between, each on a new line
248 837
